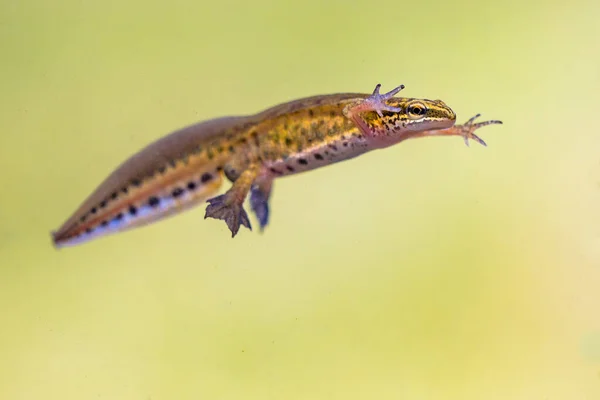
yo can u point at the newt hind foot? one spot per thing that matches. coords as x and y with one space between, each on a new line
259 201
232 213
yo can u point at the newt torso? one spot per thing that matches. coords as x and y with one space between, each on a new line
187 166
297 137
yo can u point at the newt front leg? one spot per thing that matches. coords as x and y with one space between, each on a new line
466 130
376 102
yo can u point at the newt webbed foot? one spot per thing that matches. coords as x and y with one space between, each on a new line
468 128
231 212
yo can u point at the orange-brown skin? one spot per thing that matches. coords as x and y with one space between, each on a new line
187 166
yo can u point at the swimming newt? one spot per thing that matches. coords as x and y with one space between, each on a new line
187 167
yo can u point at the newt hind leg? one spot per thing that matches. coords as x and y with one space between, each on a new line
259 200
229 206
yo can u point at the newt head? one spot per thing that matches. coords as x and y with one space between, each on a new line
388 120
416 115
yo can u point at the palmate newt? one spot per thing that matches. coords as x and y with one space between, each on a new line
187 166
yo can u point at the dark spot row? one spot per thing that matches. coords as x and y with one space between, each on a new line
116 218
105 223
179 191
153 201
137 182
304 161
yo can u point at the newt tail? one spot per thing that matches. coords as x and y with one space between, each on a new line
167 177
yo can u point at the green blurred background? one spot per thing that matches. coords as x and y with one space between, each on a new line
428 270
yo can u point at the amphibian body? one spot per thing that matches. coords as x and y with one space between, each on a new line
189 165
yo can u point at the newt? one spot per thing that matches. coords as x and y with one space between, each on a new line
189 166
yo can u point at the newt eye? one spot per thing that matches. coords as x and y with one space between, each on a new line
416 110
